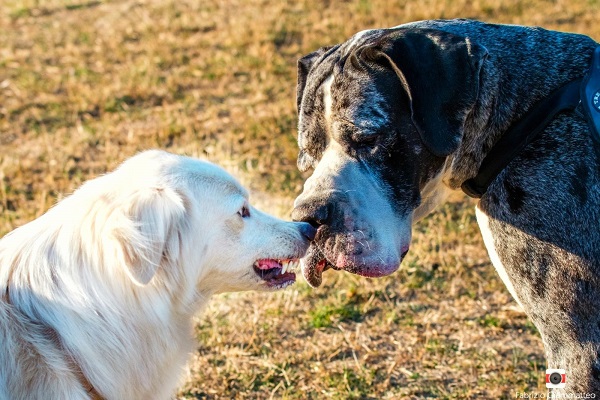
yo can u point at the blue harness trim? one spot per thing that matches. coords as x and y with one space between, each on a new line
590 93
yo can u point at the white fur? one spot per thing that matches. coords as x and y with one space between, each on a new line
356 39
327 99
433 194
382 242
488 239
118 269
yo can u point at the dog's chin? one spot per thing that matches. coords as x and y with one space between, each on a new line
276 273
315 263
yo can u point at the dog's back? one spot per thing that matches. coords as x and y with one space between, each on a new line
31 364
63 272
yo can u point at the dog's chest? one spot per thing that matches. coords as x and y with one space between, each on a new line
488 240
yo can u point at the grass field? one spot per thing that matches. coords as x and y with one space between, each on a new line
86 84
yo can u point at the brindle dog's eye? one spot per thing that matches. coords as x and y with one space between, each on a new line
363 140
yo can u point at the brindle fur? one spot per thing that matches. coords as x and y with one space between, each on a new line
544 208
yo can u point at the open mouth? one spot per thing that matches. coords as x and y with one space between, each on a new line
277 273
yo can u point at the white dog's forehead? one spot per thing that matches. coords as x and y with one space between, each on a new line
158 168
212 180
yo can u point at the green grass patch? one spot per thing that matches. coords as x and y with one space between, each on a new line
326 315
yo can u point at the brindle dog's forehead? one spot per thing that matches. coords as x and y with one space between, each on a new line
364 101
312 129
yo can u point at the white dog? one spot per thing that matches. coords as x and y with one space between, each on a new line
97 295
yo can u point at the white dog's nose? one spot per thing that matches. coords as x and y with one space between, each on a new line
307 230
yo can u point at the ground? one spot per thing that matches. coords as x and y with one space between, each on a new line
86 84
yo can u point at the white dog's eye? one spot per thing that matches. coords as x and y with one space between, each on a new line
244 212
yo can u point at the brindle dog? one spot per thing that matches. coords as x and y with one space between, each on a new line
393 119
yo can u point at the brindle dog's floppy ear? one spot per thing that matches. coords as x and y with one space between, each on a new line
304 65
440 72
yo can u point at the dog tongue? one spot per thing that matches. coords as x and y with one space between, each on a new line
267 264
313 266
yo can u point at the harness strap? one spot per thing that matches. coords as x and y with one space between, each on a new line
584 91
590 95
520 135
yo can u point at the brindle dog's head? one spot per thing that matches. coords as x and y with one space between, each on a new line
378 117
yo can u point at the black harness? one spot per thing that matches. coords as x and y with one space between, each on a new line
584 91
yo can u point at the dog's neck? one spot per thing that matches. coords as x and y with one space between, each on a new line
157 357
505 97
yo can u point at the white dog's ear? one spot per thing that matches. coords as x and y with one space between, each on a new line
150 233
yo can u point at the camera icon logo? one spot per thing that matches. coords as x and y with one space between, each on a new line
556 378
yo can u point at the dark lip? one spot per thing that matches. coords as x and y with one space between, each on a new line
282 281
313 265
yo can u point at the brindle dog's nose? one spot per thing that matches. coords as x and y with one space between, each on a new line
314 212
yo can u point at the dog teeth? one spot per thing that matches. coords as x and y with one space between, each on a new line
289 265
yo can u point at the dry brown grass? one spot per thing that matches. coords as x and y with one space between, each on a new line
86 84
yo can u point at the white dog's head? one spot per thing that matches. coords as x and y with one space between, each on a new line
192 214
181 224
